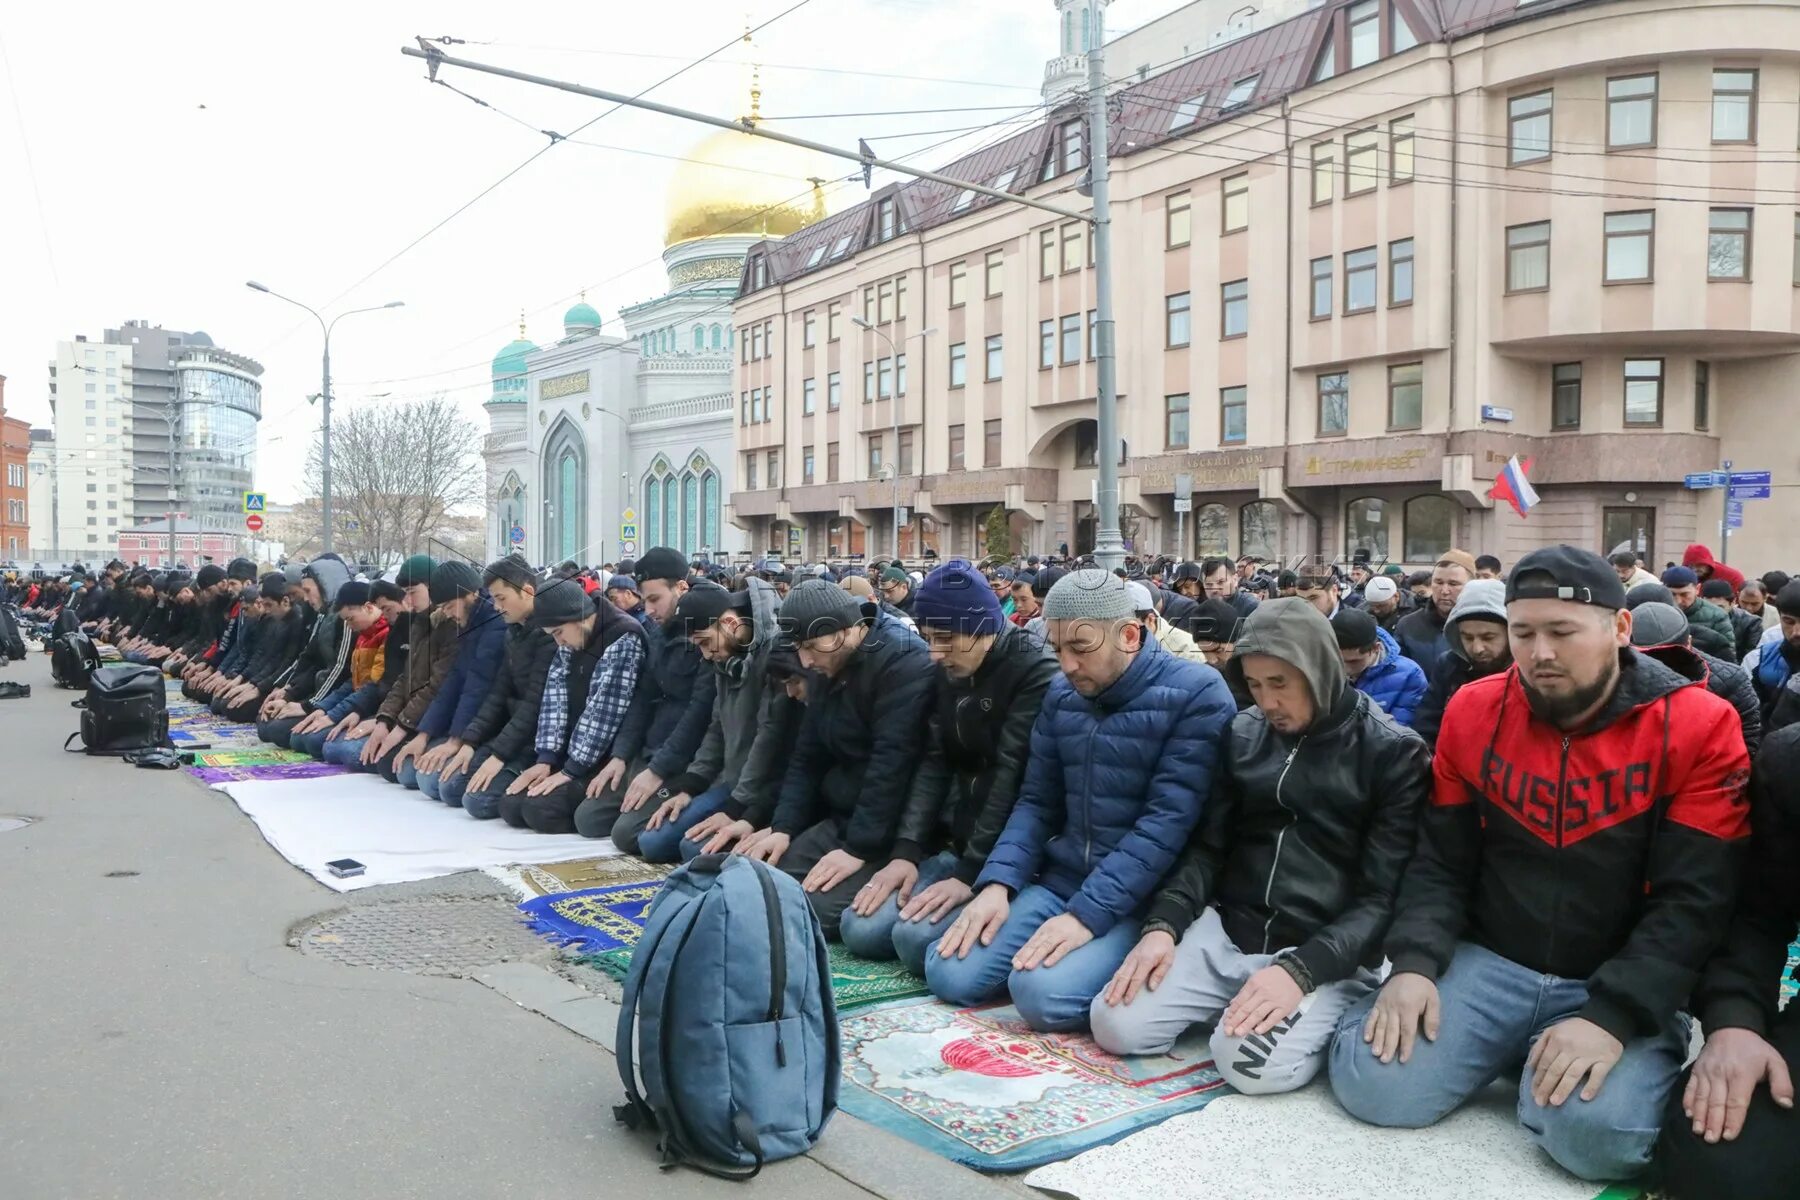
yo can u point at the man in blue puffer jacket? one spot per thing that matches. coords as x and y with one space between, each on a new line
1122 758
1375 666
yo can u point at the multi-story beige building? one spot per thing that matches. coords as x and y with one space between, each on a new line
1362 257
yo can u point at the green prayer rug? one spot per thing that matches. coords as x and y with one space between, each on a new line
854 981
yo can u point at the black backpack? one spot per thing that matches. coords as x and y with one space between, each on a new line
12 645
125 710
73 660
66 621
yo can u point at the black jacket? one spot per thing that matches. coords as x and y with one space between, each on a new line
859 743
1303 840
1421 635
1404 606
322 664
671 705
1739 986
279 642
1747 631
506 724
1446 679
976 739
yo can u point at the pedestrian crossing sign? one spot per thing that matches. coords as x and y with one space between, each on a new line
255 502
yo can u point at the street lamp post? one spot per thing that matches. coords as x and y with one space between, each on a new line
893 374
325 327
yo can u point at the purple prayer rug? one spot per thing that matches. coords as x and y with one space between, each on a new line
266 772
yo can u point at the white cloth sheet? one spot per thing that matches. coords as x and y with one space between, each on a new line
398 835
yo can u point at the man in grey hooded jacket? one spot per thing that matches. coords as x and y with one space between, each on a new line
1285 891
744 751
1475 647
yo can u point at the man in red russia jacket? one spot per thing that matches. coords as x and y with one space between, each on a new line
1576 866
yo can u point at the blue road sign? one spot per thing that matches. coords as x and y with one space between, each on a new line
1698 480
1734 514
1749 491
518 535
1752 477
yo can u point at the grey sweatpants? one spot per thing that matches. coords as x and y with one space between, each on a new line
1208 972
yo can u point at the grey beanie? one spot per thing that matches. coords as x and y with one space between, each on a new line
815 608
1658 624
1092 594
453 579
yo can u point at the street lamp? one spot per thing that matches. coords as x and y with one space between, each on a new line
894 374
325 389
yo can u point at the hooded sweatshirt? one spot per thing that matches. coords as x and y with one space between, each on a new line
1484 599
1697 556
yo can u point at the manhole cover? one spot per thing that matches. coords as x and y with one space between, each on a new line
443 936
8 824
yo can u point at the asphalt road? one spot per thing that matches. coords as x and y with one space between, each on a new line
160 1038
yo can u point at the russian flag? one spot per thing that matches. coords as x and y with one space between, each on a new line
1513 487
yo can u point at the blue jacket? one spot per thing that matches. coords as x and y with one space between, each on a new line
1396 682
482 642
1114 786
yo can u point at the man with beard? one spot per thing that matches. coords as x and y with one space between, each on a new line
1577 865
1476 632
1421 634
1383 600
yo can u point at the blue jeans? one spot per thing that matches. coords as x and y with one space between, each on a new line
485 804
346 752
1052 999
1492 1011
884 936
310 743
665 844
447 789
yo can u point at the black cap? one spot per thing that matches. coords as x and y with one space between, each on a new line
1214 621
660 562
560 602
1576 575
699 608
1355 629
241 569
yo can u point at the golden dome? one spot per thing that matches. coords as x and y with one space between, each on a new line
739 184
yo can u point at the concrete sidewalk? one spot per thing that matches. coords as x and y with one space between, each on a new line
160 1037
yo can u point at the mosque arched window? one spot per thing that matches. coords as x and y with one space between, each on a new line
699 338
718 338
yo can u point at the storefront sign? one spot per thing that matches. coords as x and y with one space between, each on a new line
563 385
1213 471
1405 460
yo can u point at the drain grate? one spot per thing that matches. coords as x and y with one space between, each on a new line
8 824
446 935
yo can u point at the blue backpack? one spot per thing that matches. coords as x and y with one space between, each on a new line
736 1033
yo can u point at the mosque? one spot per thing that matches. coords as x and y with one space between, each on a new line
611 440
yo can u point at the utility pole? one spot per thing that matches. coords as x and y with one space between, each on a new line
1109 545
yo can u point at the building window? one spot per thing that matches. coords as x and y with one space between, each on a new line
1236 207
1234 309
884 378
809 397
1046 253
809 329
1240 94
1074 238
1630 237
806 466
1430 528
959 364
1360 267
1212 532
1087 444
1400 272
1180 221
1326 67
1366 526
749 482
1324 157
1234 412
1322 288
1702 396
1406 396
996 362
868 383
1364 21
1400 150
1177 320
1734 106
874 456
743 408
959 284
1046 344
1528 257
884 303
831 462
1259 529
1362 168
834 391
1631 112
996 260
1334 404
1175 422
1071 339
1402 36
900 374
906 452
1631 529
1565 396
990 444
1728 244
832 313
887 220
1643 391
1528 128
956 447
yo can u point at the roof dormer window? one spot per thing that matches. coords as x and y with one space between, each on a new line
1187 112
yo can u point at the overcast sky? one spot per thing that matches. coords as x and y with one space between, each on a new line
157 156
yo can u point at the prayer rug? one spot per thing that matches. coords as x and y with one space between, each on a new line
1305 1144
549 879
595 920
267 771
980 1087
266 757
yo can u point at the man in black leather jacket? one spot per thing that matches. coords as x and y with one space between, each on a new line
1283 896
990 683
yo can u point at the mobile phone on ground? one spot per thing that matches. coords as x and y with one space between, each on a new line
344 868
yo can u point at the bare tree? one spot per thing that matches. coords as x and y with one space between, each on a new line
396 472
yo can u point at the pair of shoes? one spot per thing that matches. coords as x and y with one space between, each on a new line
14 691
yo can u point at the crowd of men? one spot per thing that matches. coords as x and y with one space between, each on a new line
1416 832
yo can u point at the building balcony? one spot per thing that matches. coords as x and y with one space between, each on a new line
654 416
502 441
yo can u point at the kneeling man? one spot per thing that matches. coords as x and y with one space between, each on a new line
1284 895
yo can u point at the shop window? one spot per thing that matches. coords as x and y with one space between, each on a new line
1366 528
1212 531
1631 529
1430 528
